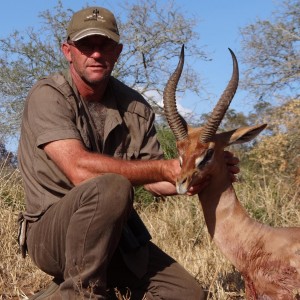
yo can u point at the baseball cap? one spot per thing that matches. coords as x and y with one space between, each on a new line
93 21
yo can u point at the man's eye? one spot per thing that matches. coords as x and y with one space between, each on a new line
91 47
85 46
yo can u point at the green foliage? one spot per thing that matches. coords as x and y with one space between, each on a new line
167 141
142 197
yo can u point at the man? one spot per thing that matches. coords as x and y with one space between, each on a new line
86 139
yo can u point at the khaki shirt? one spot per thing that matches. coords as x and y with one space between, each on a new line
129 133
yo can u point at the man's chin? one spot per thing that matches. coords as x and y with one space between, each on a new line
95 80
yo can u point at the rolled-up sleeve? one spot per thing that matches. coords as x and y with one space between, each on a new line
50 116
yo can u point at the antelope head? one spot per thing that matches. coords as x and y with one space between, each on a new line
199 147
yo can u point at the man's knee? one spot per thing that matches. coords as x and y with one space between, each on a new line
113 193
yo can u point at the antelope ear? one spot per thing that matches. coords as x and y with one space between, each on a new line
245 134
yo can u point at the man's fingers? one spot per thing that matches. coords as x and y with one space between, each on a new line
234 169
195 189
230 158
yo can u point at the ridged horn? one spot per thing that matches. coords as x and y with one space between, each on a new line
175 121
221 107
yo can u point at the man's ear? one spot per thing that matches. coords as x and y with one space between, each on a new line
245 134
118 51
65 48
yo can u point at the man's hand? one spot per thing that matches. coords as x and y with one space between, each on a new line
232 163
195 189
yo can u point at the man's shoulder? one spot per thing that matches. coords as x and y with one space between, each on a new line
56 81
129 99
51 89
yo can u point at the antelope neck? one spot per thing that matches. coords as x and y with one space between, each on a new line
226 219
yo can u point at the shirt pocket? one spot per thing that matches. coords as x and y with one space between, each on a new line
127 154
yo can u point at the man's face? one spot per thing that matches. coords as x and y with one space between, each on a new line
92 58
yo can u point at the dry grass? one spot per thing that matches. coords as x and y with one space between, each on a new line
18 277
177 226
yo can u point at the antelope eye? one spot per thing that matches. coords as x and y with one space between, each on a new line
209 154
200 163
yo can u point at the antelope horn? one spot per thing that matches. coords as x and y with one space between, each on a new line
221 107
176 122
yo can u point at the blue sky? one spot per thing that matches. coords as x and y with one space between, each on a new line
218 27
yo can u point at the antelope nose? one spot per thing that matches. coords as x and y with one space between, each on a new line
181 186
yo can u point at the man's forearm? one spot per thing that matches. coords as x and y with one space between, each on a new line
79 165
138 172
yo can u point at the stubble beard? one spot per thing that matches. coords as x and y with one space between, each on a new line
95 82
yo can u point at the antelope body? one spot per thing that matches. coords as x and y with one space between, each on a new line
267 257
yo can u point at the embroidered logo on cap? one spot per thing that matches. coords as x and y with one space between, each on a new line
95 16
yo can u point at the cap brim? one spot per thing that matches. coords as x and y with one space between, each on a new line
94 31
